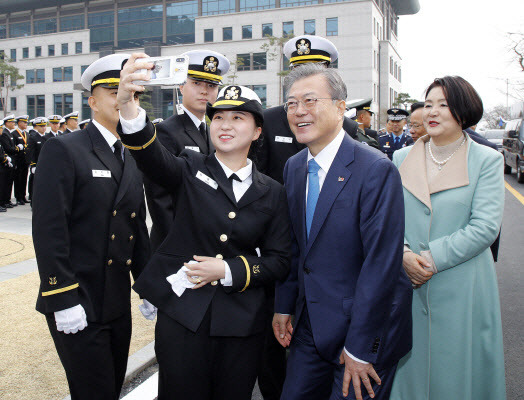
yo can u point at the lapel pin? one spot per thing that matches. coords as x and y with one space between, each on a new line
341 179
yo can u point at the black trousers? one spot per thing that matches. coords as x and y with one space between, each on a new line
6 185
20 181
30 186
94 359
197 366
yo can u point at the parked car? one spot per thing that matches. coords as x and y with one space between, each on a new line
494 136
513 147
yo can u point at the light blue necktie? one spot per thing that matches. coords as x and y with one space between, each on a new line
312 192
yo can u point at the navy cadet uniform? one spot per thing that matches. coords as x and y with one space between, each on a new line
178 133
83 124
73 115
5 165
10 147
53 119
34 146
89 233
389 142
20 136
208 340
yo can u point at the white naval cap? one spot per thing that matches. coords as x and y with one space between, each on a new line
310 48
104 72
54 119
236 98
62 121
40 121
83 123
9 118
73 115
23 118
206 65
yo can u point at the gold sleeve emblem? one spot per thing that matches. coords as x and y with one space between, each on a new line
256 269
52 280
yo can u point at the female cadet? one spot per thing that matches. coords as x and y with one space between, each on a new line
208 338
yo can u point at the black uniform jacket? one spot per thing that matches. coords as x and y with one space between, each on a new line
387 143
34 146
50 135
209 222
21 137
9 143
89 226
176 133
278 143
372 133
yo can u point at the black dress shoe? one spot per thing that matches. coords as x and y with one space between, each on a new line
8 205
3 209
25 200
20 203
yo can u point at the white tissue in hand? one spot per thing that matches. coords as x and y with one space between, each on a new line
179 281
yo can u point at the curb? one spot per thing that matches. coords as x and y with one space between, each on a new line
137 362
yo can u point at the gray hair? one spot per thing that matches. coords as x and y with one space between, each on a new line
337 87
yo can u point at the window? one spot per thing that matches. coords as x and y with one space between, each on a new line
399 74
13 103
259 61
51 50
42 26
35 76
374 59
13 54
3 31
267 30
227 33
253 5
251 61
82 69
243 62
86 110
309 27
332 26
247 32
62 74
260 90
296 3
38 51
30 76
181 21
212 7
63 103
40 75
374 27
25 52
65 49
287 29
208 35
101 29
35 106
78 48
138 25
390 65
20 29
2 55
72 23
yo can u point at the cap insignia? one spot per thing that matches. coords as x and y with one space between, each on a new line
303 47
232 93
210 64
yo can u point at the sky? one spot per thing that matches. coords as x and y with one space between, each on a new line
461 37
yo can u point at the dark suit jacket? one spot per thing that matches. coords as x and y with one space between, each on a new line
50 135
176 133
209 222
34 146
278 142
9 143
387 145
349 271
88 231
21 137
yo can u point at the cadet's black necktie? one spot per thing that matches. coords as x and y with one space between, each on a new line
234 177
118 152
203 131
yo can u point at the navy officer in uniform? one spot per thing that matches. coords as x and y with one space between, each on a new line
83 124
395 138
13 150
364 115
20 136
210 337
35 143
54 125
89 233
71 122
185 131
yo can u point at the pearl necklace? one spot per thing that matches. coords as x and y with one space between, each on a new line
440 164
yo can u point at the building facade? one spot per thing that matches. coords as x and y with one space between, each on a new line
52 46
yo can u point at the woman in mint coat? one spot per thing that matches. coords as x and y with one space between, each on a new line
454 200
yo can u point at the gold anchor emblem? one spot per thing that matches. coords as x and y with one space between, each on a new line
232 93
211 64
52 280
303 47
256 269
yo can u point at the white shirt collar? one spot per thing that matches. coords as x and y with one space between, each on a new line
326 156
193 117
242 173
108 136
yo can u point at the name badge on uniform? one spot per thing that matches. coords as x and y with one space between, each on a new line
100 173
283 139
207 180
194 148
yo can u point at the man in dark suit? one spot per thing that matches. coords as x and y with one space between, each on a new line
13 150
396 138
89 233
347 288
35 143
185 131
20 136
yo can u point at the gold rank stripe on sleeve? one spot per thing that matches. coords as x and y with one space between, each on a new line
141 147
56 291
248 272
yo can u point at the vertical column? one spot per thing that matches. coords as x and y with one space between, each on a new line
164 21
58 8
7 26
200 7
237 5
115 24
86 20
31 21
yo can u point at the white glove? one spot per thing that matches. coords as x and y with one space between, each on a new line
9 164
71 320
33 169
20 146
8 159
179 281
148 310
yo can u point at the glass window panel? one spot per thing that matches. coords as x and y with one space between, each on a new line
25 52
3 32
42 26
296 3
138 25
212 7
247 32
332 26
86 110
68 73
78 47
82 69
259 61
243 62
31 106
38 51
101 30
208 35
13 103
40 105
40 76
309 27
68 103
30 76
287 28
13 54
252 5
57 74
20 29
71 23
181 21
227 33
58 104
267 30
261 90
51 50
2 55
65 49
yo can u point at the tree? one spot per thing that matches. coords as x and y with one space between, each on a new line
9 75
274 50
233 69
404 100
516 40
492 117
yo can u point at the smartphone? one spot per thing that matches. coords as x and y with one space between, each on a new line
171 70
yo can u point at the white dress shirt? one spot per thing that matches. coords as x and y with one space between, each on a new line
193 117
324 159
108 136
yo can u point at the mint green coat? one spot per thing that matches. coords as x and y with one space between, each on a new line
457 331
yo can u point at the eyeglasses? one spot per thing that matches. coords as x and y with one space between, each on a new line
291 106
416 126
